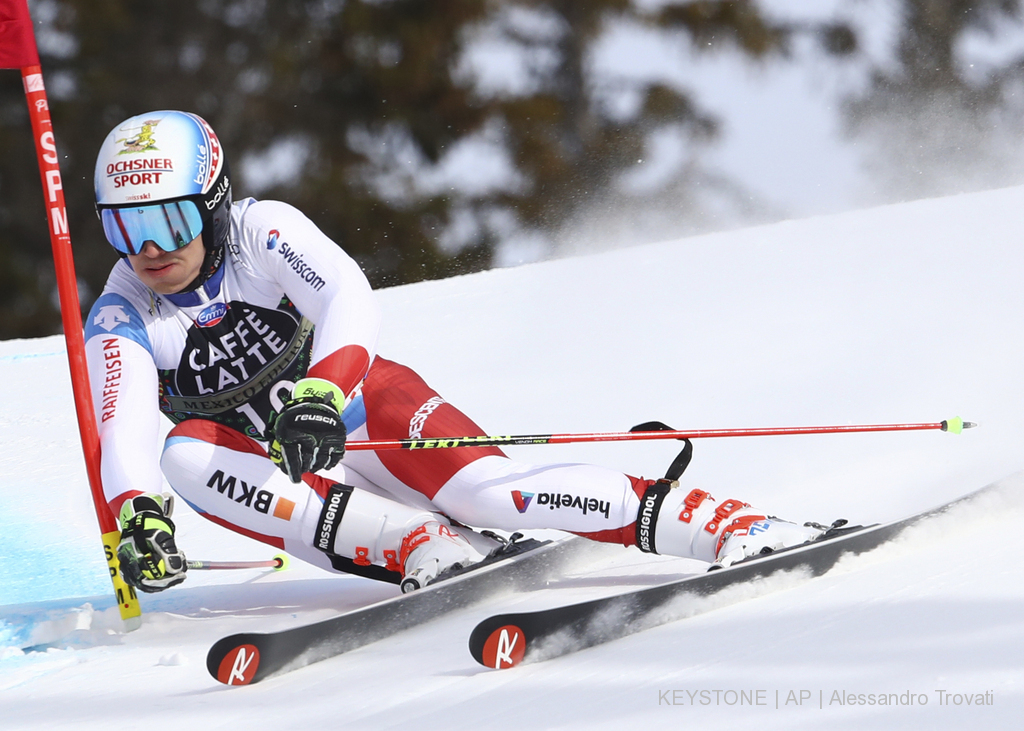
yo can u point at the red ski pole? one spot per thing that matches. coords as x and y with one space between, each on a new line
955 425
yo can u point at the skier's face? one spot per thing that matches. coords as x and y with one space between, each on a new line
168 272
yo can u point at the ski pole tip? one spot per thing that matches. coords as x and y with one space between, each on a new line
281 560
957 425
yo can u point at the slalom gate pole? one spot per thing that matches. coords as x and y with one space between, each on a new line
18 50
955 425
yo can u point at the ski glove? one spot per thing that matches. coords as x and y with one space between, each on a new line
308 434
150 561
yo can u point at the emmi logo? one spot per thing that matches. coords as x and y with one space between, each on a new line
249 495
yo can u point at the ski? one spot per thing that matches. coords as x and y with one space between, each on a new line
246 658
505 640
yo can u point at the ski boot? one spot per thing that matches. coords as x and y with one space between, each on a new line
433 549
695 525
376 531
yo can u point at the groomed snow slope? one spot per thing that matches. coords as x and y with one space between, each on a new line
909 312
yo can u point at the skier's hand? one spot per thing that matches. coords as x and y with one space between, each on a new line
309 434
150 560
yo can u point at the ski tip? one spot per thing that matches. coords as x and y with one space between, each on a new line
282 562
236 666
956 425
504 648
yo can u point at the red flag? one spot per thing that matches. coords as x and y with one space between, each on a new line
17 40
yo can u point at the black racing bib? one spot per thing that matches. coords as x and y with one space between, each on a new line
234 354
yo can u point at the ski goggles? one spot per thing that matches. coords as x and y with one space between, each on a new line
168 225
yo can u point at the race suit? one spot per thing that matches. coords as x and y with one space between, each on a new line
219 362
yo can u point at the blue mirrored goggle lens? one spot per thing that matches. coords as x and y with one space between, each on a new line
168 225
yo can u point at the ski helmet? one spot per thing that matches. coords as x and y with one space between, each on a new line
163 177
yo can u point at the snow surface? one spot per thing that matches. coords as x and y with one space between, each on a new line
905 313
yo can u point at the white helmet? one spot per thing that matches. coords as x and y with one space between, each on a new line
163 177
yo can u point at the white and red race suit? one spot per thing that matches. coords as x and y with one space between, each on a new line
219 361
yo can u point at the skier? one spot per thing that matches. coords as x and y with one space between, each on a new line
255 334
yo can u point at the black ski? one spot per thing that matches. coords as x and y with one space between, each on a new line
250 657
505 640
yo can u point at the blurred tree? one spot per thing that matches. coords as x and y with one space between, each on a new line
943 110
573 139
371 116
26 264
